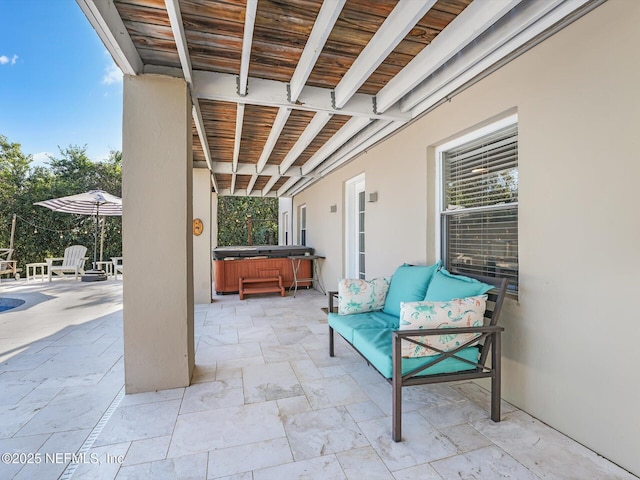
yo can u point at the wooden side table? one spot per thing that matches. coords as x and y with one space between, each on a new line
32 271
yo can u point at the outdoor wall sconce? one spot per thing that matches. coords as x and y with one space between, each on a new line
373 197
333 208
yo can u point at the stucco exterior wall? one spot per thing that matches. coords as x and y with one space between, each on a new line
157 236
202 278
285 212
578 105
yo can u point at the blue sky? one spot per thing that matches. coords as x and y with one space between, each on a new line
58 84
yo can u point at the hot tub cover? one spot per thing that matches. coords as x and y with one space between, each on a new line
270 251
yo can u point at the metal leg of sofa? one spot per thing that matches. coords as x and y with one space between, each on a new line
396 385
331 352
495 379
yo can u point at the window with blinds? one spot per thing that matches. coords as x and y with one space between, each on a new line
480 206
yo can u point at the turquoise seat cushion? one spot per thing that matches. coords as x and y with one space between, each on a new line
375 345
408 284
445 286
346 324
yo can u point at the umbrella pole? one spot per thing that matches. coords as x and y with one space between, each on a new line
102 222
95 239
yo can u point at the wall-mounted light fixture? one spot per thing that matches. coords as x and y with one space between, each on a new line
333 208
373 197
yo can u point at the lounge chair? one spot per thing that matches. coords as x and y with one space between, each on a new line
117 266
72 262
8 266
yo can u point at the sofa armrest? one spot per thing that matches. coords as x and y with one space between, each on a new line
491 331
427 332
333 306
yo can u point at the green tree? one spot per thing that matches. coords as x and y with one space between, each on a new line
40 232
14 168
236 213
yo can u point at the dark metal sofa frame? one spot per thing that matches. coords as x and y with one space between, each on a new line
489 340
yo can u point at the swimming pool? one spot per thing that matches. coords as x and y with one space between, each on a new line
9 303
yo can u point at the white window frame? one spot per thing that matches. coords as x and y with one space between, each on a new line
353 187
286 237
440 150
302 226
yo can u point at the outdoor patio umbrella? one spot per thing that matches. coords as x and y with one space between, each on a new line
93 202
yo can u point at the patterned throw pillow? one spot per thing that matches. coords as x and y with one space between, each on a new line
459 312
359 296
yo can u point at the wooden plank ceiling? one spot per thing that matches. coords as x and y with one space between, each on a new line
286 90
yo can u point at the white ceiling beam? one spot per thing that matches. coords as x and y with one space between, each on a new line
243 193
238 137
223 87
251 169
272 181
300 186
519 29
274 134
252 183
105 19
177 27
196 113
359 144
314 127
233 183
287 185
397 25
465 28
326 19
247 40
347 131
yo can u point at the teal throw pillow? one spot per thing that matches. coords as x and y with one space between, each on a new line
408 284
445 286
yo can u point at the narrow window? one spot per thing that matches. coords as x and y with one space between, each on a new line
303 225
355 227
285 227
361 204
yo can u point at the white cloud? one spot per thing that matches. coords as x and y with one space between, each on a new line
112 74
4 60
40 158
101 157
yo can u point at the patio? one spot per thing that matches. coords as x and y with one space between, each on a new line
266 401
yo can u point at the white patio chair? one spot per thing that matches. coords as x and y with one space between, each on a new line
72 262
117 266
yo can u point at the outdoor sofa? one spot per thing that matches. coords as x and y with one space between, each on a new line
423 325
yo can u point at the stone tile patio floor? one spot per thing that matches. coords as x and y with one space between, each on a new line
267 402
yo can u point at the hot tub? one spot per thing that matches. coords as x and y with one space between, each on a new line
262 261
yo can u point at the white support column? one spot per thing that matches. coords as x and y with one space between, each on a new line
214 221
213 233
202 243
157 233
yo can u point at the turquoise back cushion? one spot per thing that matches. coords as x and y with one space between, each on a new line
408 284
445 286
